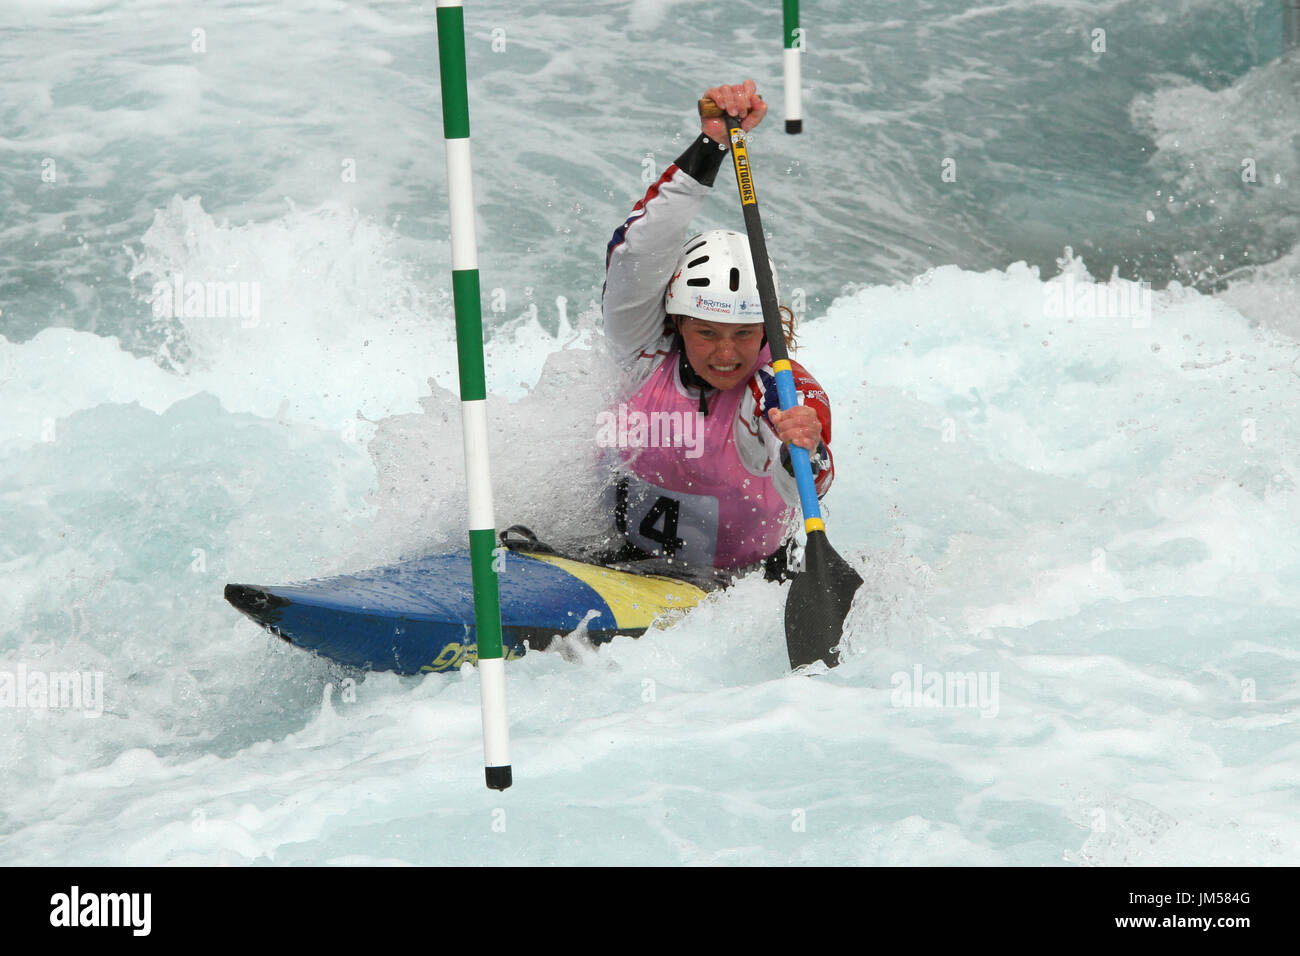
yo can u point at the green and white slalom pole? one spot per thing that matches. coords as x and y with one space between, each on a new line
793 76
473 391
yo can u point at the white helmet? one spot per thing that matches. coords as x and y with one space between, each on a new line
714 279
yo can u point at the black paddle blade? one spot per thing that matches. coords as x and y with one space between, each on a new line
819 600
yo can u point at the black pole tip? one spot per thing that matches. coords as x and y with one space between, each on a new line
794 126
498 778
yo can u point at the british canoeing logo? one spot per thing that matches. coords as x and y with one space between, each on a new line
720 306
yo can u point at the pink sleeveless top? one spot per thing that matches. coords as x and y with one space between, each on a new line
686 492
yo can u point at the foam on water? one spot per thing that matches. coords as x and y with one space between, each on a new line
1050 500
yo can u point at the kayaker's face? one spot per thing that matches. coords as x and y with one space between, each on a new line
722 354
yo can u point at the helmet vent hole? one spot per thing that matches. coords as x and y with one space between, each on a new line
735 279
698 280
696 262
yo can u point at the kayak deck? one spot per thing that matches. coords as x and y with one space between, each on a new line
418 616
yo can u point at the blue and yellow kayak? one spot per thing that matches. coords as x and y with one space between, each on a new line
418 616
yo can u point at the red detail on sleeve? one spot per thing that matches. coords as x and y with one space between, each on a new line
620 234
814 396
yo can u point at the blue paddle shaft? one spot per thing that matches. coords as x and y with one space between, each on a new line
799 459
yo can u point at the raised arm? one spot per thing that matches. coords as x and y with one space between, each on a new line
643 250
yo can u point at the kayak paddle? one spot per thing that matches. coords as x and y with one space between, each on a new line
822 592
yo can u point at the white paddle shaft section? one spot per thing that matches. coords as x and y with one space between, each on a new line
460 199
478 474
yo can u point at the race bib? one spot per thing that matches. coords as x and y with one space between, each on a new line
667 523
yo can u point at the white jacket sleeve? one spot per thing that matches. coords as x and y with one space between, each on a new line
644 250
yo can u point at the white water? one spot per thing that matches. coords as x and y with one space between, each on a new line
1096 517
